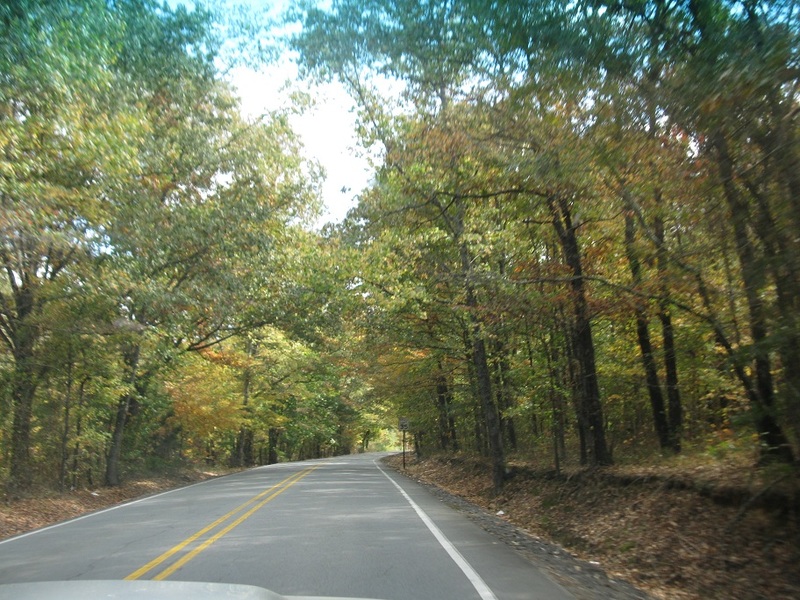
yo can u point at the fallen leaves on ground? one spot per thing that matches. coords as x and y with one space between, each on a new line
674 541
43 508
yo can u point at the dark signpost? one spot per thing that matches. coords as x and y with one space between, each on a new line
403 426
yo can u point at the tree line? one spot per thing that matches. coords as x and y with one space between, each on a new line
156 269
585 220
580 241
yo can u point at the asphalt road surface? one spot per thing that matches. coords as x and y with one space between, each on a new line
336 527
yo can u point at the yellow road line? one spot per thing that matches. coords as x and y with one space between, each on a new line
185 559
276 489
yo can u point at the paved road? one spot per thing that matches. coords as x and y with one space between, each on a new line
335 527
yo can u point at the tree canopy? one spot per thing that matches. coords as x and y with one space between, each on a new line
580 242
597 194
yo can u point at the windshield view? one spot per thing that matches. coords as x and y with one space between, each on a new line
399 299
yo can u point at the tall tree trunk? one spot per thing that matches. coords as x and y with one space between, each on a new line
115 449
480 429
446 422
483 376
243 455
675 409
496 452
660 422
481 445
131 358
272 452
76 448
62 467
451 424
476 345
22 393
557 402
503 392
26 375
776 224
788 302
503 387
774 442
573 383
588 385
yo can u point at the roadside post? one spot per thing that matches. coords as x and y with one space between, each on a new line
403 426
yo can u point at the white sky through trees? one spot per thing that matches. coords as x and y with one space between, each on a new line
327 128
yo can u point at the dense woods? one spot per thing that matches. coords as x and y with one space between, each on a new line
582 238
581 242
156 301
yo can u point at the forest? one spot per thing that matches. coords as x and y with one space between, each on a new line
581 244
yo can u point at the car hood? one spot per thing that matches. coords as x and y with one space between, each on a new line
142 590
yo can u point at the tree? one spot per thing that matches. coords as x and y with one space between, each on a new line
596 120
730 84
65 140
132 183
437 71
685 68
196 232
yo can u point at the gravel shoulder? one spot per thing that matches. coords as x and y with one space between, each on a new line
706 532
586 580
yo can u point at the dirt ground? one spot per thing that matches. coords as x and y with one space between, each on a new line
712 531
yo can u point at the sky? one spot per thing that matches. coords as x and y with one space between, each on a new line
327 130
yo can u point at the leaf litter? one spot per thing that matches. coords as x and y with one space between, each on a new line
683 533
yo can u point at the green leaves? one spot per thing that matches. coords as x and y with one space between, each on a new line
531 131
131 184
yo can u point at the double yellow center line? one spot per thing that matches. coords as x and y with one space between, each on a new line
255 503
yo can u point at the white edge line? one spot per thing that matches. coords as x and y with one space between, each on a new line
132 502
477 581
104 510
